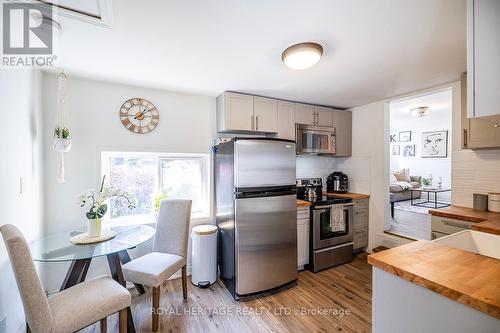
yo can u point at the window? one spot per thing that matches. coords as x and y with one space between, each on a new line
147 175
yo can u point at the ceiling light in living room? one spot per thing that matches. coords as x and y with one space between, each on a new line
302 55
421 111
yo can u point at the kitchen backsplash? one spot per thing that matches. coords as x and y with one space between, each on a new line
356 168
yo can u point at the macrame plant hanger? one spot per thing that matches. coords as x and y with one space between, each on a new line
62 133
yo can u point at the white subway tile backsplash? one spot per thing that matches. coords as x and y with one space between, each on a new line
356 168
474 172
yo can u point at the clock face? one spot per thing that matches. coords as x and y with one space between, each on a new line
139 115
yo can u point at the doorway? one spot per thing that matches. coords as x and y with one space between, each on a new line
420 161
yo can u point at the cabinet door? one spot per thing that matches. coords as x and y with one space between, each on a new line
324 116
342 121
483 52
238 110
484 132
304 114
266 114
286 124
302 242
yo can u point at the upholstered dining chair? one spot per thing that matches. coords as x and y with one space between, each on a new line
69 310
169 252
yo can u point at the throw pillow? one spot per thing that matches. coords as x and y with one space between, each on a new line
401 175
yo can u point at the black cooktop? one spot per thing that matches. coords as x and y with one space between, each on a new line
327 200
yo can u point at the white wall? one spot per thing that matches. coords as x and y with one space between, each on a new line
368 164
419 166
20 151
187 125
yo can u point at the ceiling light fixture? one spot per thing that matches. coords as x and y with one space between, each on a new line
302 55
421 111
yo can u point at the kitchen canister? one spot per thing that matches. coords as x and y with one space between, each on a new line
480 202
494 202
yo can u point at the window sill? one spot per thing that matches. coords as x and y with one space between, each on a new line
152 222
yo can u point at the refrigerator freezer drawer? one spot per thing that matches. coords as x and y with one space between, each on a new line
264 163
266 243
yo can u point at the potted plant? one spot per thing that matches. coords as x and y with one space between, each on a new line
426 182
156 202
62 139
97 207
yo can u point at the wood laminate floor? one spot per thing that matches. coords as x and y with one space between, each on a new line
334 300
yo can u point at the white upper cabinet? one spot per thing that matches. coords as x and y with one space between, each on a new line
313 115
246 113
483 54
265 114
324 116
304 113
286 123
234 112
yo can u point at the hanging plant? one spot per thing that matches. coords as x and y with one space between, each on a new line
62 134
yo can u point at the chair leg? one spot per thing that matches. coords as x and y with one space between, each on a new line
154 310
104 325
28 330
184 282
123 320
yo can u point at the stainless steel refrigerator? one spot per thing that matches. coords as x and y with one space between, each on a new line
256 212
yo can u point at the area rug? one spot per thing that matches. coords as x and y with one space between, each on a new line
407 206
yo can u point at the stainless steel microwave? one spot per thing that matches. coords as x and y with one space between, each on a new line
315 139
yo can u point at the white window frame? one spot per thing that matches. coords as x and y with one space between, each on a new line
205 215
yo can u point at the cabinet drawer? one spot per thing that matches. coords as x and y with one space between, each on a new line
303 213
360 204
449 226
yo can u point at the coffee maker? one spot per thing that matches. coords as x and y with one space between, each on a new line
337 182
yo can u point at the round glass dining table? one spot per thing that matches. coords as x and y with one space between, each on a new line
58 248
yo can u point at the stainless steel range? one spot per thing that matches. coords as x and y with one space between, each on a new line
331 225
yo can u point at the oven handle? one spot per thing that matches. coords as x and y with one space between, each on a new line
330 206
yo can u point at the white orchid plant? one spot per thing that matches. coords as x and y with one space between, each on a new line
96 201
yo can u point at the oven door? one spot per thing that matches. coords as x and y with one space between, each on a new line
315 139
323 235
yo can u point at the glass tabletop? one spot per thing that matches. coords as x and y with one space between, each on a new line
57 247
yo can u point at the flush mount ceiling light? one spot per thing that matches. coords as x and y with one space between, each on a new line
302 55
421 111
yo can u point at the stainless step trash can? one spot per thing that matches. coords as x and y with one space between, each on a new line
204 255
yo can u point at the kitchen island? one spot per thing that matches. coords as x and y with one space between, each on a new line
424 286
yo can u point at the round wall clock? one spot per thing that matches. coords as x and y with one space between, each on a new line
139 115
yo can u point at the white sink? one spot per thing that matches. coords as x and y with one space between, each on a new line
473 241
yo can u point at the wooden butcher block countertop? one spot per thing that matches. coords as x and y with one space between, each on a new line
466 277
302 203
485 221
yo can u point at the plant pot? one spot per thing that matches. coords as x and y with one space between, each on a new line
62 145
94 227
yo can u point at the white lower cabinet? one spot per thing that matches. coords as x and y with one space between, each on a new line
302 237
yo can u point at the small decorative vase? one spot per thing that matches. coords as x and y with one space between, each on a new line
94 227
